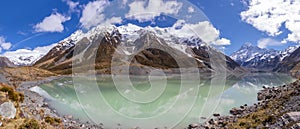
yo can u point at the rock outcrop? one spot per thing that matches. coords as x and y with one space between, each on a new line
5 62
278 107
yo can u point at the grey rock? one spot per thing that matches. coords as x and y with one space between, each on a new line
8 110
296 126
193 126
294 116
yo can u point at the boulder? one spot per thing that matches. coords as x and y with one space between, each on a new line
193 126
8 110
236 111
294 116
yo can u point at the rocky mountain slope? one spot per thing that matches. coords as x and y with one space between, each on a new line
5 62
141 48
290 64
251 56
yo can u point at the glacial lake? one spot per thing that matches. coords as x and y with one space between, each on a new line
153 102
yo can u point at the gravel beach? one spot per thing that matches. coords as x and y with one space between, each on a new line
34 104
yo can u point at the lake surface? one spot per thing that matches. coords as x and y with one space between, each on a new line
153 102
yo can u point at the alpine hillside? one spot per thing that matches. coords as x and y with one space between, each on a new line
141 48
290 64
5 62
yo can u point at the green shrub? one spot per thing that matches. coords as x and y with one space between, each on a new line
51 120
21 97
12 95
31 124
6 89
242 124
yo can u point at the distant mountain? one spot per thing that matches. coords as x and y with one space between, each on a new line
251 56
161 48
5 62
27 57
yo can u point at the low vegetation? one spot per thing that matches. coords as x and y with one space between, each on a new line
8 93
30 124
22 74
272 110
52 121
12 94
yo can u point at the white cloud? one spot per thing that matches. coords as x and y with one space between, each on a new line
4 44
270 15
52 23
72 5
266 42
92 14
27 56
222 42
146 11
113 20
191 9
204 30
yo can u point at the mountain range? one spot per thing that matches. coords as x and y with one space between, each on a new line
151 47
141 48
261 59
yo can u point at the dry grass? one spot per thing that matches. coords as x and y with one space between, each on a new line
22 74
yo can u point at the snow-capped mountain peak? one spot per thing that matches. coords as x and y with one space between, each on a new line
129 33
254 57
24 57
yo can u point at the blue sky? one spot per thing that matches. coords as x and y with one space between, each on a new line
19 22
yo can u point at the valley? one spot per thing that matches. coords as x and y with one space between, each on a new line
53 83
151 64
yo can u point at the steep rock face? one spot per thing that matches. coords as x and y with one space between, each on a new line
5 62
156 52
254 57
206 55
289 63
295 72
60 58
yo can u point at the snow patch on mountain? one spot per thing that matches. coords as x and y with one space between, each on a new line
25 57
287 52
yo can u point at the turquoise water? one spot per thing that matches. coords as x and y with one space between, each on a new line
154 102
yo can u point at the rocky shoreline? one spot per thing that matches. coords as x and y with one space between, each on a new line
35 106
277 107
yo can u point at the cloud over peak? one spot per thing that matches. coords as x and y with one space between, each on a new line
92 13
146 11
266 42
